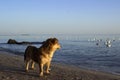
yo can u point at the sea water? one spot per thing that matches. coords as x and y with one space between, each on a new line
78 50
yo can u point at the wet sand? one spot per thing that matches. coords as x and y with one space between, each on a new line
12 68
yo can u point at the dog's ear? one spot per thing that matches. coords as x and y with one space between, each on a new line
54 40
49 42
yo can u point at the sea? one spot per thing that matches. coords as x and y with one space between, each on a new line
80 50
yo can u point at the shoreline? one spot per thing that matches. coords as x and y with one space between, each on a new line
62 63
12 68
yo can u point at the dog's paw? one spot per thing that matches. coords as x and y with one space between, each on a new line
32 68
41 74
26 70
47 72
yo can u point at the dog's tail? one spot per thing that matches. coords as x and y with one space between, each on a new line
24 57
25 54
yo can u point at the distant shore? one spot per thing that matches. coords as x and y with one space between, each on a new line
12 68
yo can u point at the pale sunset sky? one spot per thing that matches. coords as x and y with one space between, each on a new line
60 16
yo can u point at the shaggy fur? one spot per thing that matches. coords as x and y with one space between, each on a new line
42 55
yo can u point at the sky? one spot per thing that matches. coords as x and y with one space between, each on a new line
60 16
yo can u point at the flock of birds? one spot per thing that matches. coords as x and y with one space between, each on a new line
107 43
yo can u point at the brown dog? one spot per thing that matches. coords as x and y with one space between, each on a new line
42 55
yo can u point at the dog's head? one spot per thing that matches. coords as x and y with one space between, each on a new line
52 44
55 43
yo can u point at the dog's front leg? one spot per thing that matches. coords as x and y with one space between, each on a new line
41 69
48 67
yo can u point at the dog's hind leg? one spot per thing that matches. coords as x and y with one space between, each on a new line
27 65
33 64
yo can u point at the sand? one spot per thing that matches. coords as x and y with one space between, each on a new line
12 68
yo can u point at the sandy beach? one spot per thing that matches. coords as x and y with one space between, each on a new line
12 68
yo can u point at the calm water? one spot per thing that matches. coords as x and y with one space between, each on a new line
77 50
